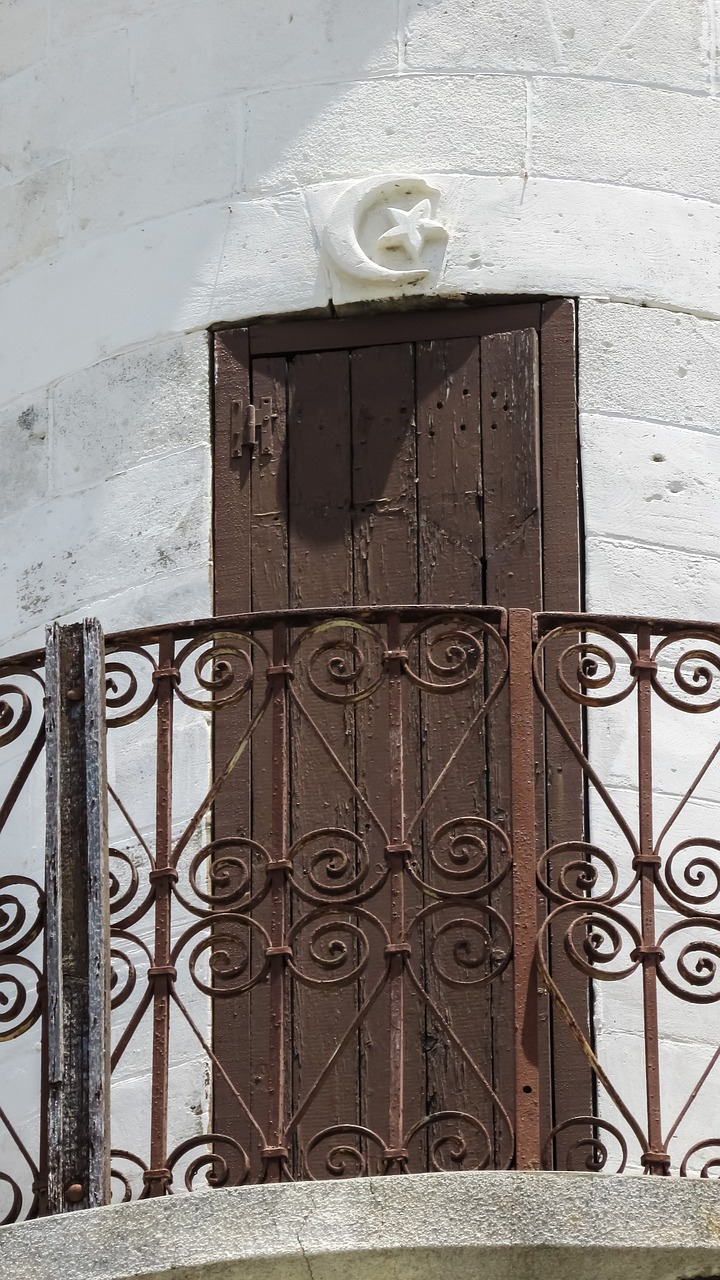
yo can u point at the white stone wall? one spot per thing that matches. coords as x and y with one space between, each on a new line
168 164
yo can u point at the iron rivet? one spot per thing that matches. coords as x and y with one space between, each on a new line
75 1193
75 695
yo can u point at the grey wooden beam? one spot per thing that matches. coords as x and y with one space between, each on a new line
78 923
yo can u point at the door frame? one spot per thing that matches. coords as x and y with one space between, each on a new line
554 322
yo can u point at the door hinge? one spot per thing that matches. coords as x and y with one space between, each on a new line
245 427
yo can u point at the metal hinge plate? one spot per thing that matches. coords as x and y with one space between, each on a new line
245 427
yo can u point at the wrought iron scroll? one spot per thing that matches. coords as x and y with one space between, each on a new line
637 902
371 952
379 925
23 1137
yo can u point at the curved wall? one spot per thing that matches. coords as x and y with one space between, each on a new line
165 166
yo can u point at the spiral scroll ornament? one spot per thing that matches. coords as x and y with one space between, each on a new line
577 870
16 703
11 1200
221 875
691 681
21 920
689 881
468 857
332 947
597 939
347 666
219 963
123 968
585 1146
130 683
591 673
220 664
122 1181
221 1160
692 948
333 863
469 944
130 894
344 1159
465 1145
450 651
708 1152
20 995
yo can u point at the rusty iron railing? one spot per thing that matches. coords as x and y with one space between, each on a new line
345 936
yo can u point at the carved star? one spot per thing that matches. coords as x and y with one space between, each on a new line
412 228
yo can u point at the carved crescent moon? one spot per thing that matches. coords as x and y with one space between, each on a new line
341 230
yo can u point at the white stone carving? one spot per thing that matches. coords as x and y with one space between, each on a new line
380 229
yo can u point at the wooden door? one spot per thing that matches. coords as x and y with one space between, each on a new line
411 460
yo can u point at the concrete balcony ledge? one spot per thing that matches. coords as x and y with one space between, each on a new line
498 1226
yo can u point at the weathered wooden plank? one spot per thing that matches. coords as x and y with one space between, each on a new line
511 469
513 551
320 468
292 336
385 560
321 570
231 475
78 911
560 481
571 1075
449 472
451 572
524 892
232 515
261 1072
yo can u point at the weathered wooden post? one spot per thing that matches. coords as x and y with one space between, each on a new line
78 920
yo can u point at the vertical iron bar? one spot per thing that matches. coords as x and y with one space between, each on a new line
395 1157
275 1155
77 925
656 1160
41 1189
522 770
163 875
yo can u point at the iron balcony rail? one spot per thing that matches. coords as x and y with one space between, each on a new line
385 891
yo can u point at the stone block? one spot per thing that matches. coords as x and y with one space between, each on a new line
160 279
80 94
482 37
624 577
23 34
553 1226
650 482
682 741
682 1022
650 363
189 1106
681 1067
269 262
158 167
24 428
545 236
184 593
140 405
600 130
74 19
69 552
314 134
666 42
196 52
177 273
34 216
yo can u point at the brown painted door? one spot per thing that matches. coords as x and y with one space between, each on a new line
397 461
